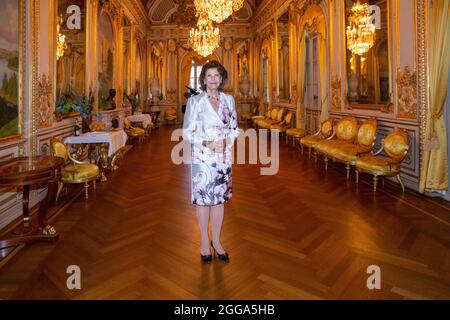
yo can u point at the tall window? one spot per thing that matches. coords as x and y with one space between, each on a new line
196 68
265 79
311 97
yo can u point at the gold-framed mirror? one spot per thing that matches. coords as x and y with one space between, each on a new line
126 68
106 47
368 72
283 56
70 52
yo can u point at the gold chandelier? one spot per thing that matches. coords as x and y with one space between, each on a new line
60 43
204 39
360 30
217 10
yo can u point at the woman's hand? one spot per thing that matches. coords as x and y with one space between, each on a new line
217 146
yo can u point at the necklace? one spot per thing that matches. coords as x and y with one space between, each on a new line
213 97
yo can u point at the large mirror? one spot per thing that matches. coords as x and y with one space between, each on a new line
283 56
367 57
138 73
70 51
106 49
126 56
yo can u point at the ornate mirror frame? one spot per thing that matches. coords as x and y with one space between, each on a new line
388 105
21 30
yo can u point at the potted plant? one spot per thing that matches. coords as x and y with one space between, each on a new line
134 101
84 106
64 106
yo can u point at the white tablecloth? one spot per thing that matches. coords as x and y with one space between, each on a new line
145 118
116 139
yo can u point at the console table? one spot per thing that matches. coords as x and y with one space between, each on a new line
25 172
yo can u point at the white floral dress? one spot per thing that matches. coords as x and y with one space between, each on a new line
211 172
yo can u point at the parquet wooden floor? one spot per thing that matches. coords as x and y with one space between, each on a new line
300 234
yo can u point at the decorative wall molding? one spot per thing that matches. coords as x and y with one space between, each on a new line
302 5
45 102
34 68
407 93
336 99
422 66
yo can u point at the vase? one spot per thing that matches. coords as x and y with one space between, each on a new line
85 124
154 87
244 87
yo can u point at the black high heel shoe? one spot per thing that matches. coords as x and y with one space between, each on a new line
206 257
224 257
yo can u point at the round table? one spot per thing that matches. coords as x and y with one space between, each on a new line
25 172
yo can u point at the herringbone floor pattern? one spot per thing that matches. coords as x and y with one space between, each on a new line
300 234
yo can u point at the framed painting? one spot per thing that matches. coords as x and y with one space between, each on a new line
12 45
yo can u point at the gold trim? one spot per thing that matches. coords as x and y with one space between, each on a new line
21 88
34 45
422 69
407 93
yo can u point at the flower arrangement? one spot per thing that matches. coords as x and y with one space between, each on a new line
85 104
133 99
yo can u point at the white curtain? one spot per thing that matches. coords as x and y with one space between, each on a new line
301 81
322 43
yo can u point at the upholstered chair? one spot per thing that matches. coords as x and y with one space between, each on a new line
295 134
170 114
133 132
325 132
75 171
395 145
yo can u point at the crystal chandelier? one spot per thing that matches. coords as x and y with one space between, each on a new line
217 10
60 43
204 39
237 5
360 30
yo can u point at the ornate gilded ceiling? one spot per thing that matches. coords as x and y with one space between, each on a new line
181 12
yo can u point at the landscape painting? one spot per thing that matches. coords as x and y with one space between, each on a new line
9 68
105 59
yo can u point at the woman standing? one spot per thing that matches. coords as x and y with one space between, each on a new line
210 125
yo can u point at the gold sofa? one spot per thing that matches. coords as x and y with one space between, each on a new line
257 118
77 172
284 125
310 141
352 141
276 117
395 145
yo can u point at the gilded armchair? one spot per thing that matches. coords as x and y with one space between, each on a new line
170 114
133 132
75 172
396 146
310 141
